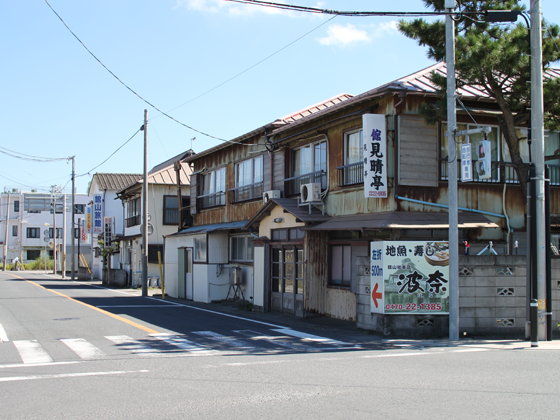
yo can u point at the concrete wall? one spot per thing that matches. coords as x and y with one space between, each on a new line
492 301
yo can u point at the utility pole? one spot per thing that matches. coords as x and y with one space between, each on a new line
145 210
63 270
537 128
452 175
177 166
73 260
53 192
6 233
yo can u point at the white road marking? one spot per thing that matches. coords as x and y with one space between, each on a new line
277 340
19 365
314 338
3 335
238 344
68 375
83 348
136 347
184 344
31 351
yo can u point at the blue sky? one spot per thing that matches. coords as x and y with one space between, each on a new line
58 101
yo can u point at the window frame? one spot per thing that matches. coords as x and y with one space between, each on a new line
253 189
33 233
168 212
14 230
79 208
16 206
200 245
318 171
342 282
133 208
208 195
248 250
58 233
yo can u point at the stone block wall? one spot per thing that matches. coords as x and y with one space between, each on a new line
492 302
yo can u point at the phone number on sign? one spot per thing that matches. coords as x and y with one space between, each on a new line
414 306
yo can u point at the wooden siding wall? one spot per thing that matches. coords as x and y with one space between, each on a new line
267 172
418 153
315 272
193 193
278 171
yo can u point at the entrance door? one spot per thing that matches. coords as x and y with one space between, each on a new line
287 279
188 273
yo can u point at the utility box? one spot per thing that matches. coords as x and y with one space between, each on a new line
235 276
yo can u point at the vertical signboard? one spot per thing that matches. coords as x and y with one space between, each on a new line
466 163
375 155
88 220
409 277
97 214
82 227
109 226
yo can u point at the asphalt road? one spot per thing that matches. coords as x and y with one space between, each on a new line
73 350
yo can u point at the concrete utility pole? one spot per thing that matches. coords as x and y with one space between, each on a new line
537 126
6 233
53 192
73 260
145 210
63 270
452 175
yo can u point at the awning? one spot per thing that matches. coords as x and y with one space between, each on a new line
211 228
402 220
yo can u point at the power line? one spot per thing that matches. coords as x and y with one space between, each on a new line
23 156
128 87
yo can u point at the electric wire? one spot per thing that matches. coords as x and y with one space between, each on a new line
112 154
23 156
128 87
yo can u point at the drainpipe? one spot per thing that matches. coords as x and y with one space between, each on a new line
507 218
402 95
252 234
444 206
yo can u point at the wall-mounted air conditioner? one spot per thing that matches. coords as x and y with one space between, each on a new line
310 193
267 195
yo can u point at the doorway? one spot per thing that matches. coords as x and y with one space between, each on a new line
185 284
287 283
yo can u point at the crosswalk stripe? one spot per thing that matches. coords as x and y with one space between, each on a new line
240 345
31 351
83 348
183 343
134 346
311 337
276 340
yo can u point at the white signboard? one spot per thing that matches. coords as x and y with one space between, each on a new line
82 227
97 214
375 155
466 163
409 277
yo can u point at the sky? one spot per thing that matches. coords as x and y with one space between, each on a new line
220 69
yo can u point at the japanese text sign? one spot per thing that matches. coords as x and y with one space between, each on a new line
466 163
88 220
375 155
409 277
97 214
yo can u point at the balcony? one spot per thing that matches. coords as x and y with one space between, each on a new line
133 221
292 185
352 174
211 200
246 192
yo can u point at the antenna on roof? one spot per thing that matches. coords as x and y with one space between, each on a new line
193 139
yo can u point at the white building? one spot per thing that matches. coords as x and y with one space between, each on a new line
28 222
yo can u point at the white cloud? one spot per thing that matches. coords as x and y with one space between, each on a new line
231 8
386 28
344 35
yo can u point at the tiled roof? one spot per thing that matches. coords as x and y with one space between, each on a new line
114 182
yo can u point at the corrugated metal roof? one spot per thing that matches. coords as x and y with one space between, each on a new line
211 228
402 220
114 182
291 206
286 120
415 83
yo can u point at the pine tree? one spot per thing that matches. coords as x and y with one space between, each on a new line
494 57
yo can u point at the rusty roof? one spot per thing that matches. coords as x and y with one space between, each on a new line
285 120
114 182
164 176
416 83
402 220
291 206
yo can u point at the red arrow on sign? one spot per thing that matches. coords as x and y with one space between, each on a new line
376 295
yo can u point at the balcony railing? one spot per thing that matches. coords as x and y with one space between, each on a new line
212 200
292 185
246 192
351 174
133 221
501 172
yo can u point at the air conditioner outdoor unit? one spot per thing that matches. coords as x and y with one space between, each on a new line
267 195
310 193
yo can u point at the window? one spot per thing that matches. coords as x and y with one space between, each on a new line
33 254
552 145
79 208
353 169
249 179
200 249
16 206
287 270
58 232
241 248
293 234
309 165
153 253
341 265
474 140
170 210
213 186
14 230
33 232
133 212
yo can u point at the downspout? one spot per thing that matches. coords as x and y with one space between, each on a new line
507 218
252 234
444 206
402 95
